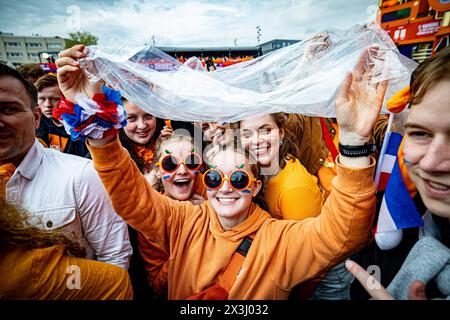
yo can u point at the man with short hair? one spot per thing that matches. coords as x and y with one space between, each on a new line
51 132
62 192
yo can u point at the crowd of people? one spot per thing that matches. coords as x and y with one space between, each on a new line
270 207
214 63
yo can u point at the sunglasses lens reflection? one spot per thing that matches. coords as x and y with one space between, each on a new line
193 161
213 179
239 180
169 163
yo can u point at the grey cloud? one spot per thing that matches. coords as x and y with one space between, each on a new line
199 23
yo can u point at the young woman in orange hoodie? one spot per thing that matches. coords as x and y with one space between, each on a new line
200 240
178 181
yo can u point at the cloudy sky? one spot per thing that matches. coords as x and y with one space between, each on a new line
182 23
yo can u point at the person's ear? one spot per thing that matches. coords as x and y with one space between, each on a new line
37 117
281 133
257 188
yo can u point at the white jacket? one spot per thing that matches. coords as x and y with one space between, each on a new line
63 192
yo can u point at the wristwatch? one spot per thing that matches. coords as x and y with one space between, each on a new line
357 151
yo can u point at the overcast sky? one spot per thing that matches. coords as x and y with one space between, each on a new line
182 23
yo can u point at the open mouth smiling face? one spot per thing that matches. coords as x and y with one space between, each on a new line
178 184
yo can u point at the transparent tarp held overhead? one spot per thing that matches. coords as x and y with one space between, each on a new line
301 78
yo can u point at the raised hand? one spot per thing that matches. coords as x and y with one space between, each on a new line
71 78
360 98
166 132
376 290
315 48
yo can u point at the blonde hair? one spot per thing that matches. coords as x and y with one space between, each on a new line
46 81
428 73
16 231
160 145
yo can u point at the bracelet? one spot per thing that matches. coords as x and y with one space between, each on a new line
357 151
96 118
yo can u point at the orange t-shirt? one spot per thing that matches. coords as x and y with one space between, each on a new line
293 193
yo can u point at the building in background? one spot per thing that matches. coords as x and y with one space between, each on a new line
225 56
18 50
419 28
199 52
212 58
275 44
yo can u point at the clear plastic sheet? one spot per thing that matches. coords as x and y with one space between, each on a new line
302 78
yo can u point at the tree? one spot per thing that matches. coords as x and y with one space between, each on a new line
81 37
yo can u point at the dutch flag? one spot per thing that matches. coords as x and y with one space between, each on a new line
397 210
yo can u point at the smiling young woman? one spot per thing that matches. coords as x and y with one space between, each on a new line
139 135
178 166
200 239
290 191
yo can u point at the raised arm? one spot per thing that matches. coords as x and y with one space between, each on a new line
313 245
132 197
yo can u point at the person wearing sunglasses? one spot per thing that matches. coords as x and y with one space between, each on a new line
177 176
201 239
178 167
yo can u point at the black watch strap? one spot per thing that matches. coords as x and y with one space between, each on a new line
357 151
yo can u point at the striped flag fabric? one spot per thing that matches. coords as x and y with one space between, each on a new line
388 159
397 210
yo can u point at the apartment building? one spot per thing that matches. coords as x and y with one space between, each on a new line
18 50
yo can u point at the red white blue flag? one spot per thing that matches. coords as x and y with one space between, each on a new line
397 210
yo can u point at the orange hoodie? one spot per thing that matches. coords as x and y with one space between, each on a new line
284 253
49 273
155 261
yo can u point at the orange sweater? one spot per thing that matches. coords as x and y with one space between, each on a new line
45 274
155 261
283 254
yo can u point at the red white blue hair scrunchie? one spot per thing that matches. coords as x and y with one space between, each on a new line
96 118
